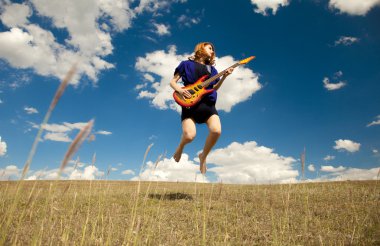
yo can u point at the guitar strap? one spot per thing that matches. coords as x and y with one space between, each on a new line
208 68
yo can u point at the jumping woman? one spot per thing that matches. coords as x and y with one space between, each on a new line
198 65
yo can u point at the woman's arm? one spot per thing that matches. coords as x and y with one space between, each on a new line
219 84
176 87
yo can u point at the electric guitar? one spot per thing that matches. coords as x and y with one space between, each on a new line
198 89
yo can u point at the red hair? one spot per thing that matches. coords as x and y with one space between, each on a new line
201 55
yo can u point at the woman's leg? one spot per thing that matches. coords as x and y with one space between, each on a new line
215 129
188 134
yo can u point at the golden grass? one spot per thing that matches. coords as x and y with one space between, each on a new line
122 212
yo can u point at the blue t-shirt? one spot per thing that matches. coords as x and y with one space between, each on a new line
190 71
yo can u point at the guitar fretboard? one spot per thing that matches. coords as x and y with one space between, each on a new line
208 81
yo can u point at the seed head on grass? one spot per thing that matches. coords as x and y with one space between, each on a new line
76 163
93 160
74 146
53 103
145 155
303 156
160 157
91 138
108 170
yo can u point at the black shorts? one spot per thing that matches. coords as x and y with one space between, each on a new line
201 112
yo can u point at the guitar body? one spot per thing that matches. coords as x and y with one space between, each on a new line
197 92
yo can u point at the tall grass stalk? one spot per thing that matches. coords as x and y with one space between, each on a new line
87 217
22 214
53 103
152 173
303 156
66 232
75 144
128 233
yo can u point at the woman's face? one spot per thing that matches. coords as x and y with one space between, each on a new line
209 50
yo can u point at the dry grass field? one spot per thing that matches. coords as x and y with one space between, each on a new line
158 213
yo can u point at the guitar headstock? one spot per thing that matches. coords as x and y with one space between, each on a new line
246 60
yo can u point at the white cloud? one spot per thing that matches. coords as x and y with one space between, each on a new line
57 136
15 14
19 79
128 172
251 163
120 13
311 168
329 158
1 101
359 174
104 132
343 173
10 171
141 86
76 163
188 21
32 177
346 41
89 173
238 87
333 86
169 170
348 145
155 5
146 94
60 132
375 122
262 6
158 63
89 36
338 74
332 169
353 7
149 77
30 110
161 29
3 148
375 151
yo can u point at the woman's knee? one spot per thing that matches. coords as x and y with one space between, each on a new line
217 131
188 130
189 136
214 126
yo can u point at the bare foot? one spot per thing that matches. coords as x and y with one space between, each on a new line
177 155
202 162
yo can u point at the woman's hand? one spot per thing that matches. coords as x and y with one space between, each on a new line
184 93
225 75
228 71
177 88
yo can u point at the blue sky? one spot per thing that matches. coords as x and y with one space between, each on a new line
314 84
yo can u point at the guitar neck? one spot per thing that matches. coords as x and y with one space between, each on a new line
208 81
